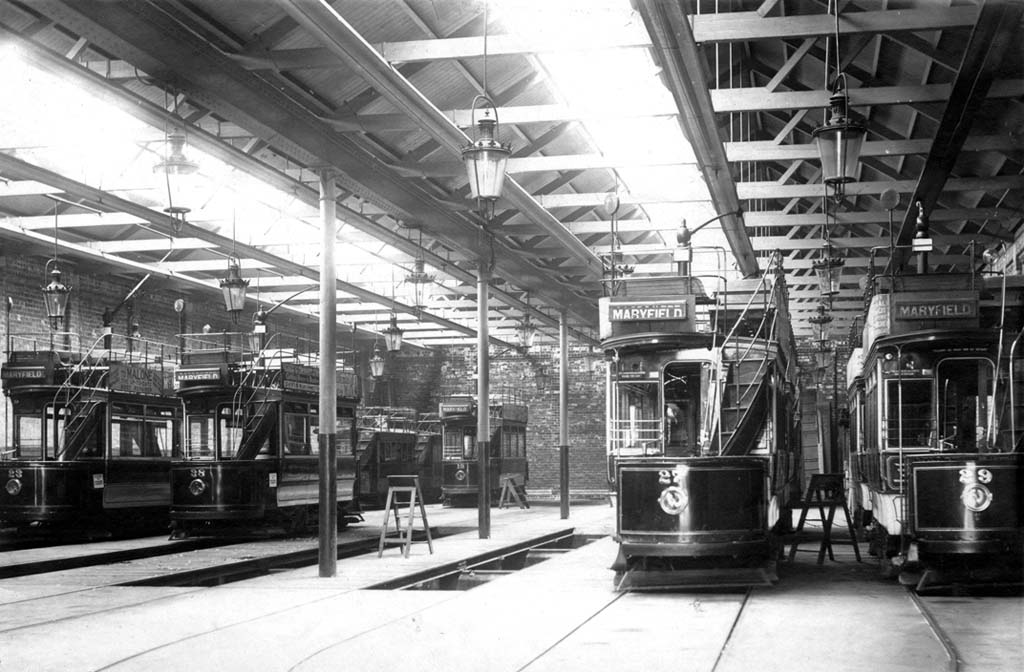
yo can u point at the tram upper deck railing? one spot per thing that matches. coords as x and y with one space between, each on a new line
388 419
72 348
112 362
234 347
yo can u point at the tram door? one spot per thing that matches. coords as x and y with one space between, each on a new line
681 387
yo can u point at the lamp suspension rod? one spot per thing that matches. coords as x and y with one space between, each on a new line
485 47
55 231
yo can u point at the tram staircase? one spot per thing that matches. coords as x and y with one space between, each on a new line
78 393
744 406
251 402
752 359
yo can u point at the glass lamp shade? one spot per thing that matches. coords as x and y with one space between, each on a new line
829 271
485 159
420 281
527 335
377 363
233 288
177 173
55 296
393 336
839 143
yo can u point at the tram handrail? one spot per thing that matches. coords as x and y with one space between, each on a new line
1013 404
769 299
991 429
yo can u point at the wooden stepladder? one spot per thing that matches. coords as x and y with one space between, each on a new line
403 485
826 493
510 492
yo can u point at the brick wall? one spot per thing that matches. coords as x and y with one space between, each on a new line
586 408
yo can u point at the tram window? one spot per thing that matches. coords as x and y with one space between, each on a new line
200 437
314 437
965 397
160 435
636 419
453 444
126 436
29 438
231 425
301 434
55 439
344 429
89 444
909 420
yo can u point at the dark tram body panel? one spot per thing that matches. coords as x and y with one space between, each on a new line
94 431
392 441
967 503
703 441
716 506
251 430
460 471
936 397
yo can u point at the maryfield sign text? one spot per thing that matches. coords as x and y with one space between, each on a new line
647 310
936 309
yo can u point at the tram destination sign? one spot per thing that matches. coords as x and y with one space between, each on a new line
635 311
953 306
195 375
619 316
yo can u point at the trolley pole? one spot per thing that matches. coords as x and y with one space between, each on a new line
483 402
327 438
563 414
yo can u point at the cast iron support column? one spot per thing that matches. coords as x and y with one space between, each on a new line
327 438
563 413
483 403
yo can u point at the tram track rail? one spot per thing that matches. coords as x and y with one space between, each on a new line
446 574
732 628
44 566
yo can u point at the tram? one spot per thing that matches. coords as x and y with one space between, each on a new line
702 437
428 455
508 414
393 441
251 453
937 428
94 429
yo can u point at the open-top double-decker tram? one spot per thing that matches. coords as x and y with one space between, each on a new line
702 443
393 441
461 480
251 454
94 429
937 428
